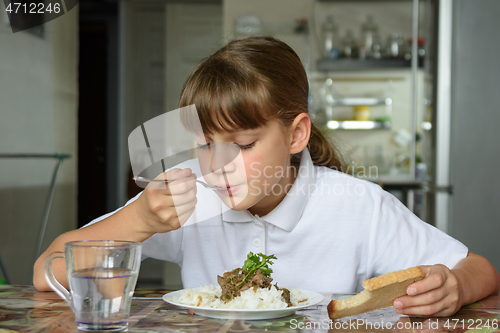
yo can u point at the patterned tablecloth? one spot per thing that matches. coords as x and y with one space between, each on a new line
23 309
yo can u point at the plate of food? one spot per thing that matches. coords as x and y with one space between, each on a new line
245 293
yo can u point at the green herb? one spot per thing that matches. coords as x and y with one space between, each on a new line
259 260
255 262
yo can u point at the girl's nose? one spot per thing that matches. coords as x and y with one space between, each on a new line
222 156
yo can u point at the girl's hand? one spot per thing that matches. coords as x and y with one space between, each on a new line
437 294
166 207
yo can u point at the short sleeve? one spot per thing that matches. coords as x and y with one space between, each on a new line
165 246
399 240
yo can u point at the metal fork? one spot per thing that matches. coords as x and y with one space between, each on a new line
145 180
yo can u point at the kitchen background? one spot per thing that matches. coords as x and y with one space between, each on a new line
80 84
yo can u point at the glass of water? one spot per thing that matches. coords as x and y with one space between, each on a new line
102 275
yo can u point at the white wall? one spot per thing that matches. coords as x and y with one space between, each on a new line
38 114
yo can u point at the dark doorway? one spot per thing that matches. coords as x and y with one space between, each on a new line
98 110
92 124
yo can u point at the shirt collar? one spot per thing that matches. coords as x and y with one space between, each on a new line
289 211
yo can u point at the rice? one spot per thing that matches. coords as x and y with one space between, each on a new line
262 298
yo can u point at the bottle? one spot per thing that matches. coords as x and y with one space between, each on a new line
420 50
330 39
407 50
349 47
362 52
368 30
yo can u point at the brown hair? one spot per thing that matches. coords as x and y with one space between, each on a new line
249 82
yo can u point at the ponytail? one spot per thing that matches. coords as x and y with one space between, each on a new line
323 152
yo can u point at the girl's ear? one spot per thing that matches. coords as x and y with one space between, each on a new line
300 133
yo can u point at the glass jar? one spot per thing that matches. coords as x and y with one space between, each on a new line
395 47
349 46
376 51
330 39
368 30
361 113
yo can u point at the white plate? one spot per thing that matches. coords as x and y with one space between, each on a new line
243 314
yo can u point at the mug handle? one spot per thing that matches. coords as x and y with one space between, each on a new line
51 280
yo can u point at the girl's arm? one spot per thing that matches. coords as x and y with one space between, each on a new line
155 211
442 292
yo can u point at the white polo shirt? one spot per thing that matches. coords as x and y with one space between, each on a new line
330 232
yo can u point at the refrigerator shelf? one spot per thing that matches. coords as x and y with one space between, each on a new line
354 101
357 125
357 64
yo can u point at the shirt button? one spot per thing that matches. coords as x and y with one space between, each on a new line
256 242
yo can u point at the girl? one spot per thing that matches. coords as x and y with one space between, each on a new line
329 230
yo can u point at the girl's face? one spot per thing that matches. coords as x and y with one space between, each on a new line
258 175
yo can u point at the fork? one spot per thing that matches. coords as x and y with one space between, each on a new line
142 179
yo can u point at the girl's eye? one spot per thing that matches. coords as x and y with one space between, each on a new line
204 146
247 146
207 145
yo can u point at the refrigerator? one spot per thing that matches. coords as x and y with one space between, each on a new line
465 185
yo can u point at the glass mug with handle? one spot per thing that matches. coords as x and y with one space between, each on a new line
102 275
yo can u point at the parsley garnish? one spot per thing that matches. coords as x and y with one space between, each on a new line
255 262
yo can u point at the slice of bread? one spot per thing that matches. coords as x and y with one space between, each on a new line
379 293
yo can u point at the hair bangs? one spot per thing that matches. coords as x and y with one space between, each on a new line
228 99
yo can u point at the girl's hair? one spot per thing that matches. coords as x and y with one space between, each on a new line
249 82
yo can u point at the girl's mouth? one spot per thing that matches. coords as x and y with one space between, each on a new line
228 189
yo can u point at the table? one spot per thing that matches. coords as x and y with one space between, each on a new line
23 309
